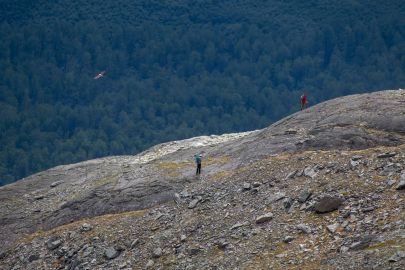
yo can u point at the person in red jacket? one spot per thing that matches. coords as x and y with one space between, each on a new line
304 101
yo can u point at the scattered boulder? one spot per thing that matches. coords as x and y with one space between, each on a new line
304 228
194 202
290 131
276 197
149 264
256 184
86 227
311 172
368 209
57 183
401 184
246 186
177 198
363 243
264 218
287 203
111 253
134 243
53 243
33 257
391 182
157 252
39 197
328 204
288 239
194 250
354 163
304 196
222 243
387 155
291 174
399 255
240 224
356 157
333 227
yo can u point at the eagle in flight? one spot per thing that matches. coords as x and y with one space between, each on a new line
98 76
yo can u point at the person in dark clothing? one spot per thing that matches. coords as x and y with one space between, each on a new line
304 101
198 159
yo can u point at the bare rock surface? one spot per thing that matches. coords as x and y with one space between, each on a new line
150 210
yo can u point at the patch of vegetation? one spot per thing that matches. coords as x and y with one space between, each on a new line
110 179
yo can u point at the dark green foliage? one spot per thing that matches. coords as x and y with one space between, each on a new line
177 69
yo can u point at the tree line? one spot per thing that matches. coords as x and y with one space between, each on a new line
166 82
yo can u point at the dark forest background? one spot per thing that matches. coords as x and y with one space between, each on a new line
177 69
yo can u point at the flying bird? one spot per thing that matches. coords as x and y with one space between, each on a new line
98 76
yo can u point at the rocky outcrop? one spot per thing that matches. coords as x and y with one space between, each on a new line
273 183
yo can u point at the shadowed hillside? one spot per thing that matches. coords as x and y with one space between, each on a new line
177 69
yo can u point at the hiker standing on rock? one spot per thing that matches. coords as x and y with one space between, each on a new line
198 159
304 101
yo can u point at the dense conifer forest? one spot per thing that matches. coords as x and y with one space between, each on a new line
177 69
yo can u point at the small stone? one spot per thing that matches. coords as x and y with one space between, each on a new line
368 209
281 255
177 198
246 186
194 250
304 196
362 244
184 194
354 163
333 227
310 172
157 252
399 255
194 202
239 224
387 155
54 184
149 264
391 182
264 218
401 184
287 203
356 157
290 131
158 216
183 238
291 174
39 197
288 239
344 249
222 243
134 243
256 184
53 244
111 253
304 228
86 227
88 251
33 257
276 197
328 204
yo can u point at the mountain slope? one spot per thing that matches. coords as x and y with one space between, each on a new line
177 69
350 149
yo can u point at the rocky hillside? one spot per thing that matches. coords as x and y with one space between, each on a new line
321 189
